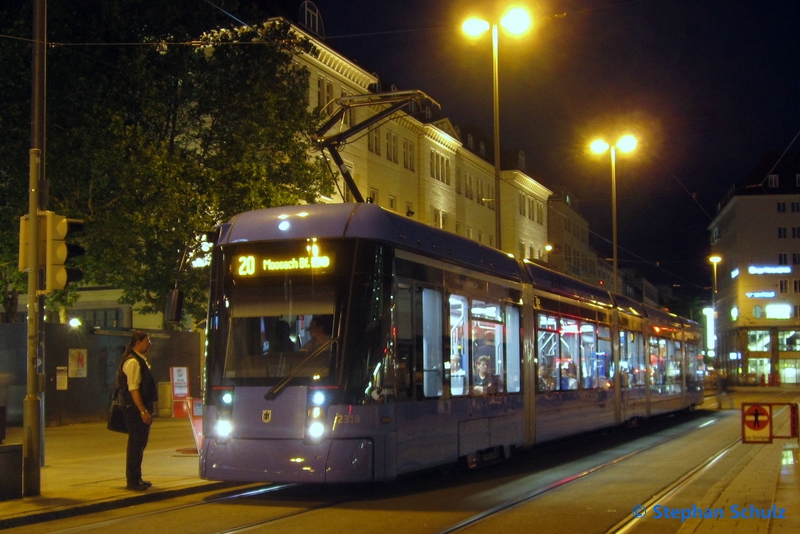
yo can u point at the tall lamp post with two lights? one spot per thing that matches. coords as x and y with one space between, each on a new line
715 259
516 21
626 143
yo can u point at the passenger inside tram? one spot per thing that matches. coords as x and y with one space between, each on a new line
482 379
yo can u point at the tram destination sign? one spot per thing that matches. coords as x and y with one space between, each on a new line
253 265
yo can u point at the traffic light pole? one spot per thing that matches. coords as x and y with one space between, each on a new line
31 444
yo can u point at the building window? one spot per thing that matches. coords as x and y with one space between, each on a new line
458 228
796 285
795 232
470 142
392 203
373 194
374 143
783 286
521 160
482 149
491 240
795 258
469 232
782 232
773 180
408 154
781 207
458 180
347 118
444 221
521 253
409 209
391 146
796 206
480 236
783 258
470 189
437 218
522 203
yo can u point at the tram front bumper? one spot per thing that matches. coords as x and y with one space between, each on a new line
258 460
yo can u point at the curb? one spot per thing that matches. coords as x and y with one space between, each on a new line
111 504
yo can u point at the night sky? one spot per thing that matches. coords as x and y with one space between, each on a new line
709 86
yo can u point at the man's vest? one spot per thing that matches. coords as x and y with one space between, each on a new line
147 388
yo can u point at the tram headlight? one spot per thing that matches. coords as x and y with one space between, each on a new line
316 430
316 409
318 398
224 429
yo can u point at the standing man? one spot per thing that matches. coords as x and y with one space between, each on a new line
138 392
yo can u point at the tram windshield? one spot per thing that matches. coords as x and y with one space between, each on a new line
279 330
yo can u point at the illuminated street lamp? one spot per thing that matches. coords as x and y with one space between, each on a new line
626 143
715 259
516 21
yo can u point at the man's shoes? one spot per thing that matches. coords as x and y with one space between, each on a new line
137 485
146 482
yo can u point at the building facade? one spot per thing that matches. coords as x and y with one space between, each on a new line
756 233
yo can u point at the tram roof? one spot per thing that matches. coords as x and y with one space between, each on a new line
369 221
560 283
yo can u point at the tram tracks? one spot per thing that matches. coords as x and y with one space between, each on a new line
630 521
525 498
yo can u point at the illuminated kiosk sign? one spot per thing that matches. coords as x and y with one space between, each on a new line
769 269
251 265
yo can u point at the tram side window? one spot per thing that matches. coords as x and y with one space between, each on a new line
402 364
512 350
432 369
488 369
632 366
570 353
658 353
548 341
600 364
673 366
459 345
694 370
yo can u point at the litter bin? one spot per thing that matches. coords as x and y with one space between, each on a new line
10 472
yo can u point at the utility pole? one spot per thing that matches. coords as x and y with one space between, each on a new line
32 419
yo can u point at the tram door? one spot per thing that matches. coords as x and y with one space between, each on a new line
421 438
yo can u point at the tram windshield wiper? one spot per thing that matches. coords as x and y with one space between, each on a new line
275 391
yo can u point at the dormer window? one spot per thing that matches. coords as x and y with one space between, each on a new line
773 180
521 160
482 149
470 142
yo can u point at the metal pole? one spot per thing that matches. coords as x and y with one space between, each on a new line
32 405
496 92
614 214
31 444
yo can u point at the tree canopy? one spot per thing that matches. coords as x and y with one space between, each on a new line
163 120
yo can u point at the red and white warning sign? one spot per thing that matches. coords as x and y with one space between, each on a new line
756 423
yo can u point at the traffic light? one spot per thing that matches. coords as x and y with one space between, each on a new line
58 252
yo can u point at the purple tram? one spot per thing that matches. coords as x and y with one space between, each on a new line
347 343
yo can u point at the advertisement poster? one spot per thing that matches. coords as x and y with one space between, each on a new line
61 379
180 382
77 363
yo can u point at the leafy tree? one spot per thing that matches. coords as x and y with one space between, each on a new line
152 139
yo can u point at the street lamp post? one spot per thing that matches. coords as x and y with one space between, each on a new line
516 22
715 259
626 143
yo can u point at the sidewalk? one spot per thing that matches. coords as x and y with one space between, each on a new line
84 471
